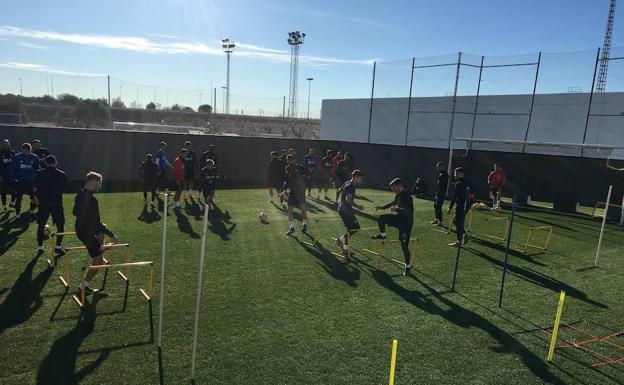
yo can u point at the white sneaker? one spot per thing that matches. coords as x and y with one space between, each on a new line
58 248
40 248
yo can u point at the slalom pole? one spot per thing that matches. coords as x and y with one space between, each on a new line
604 221
161 298
199 287
393 361
505 264
553 338
461 241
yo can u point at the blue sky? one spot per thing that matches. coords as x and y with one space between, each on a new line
175 43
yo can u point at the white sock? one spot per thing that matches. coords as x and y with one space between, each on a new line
383 234
58 248
305 221
291 224
341 238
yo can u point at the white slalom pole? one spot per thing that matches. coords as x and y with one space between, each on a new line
163 252
199 287
604 221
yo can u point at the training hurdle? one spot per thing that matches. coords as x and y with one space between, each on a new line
487 235
532 230
65 278
147 294
53 240
379 254
451 223
604 359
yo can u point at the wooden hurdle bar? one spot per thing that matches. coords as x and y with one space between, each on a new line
380 253
487 236
53 245
65 278
531 231
147 294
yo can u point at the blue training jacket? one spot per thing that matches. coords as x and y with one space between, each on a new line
24 167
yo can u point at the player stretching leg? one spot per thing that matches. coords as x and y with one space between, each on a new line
345 209
403 206
296 185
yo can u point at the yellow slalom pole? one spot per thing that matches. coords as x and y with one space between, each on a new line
393 361
553 339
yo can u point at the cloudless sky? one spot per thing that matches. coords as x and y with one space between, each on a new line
351 31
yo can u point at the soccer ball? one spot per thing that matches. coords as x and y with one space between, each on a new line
46 231
263 217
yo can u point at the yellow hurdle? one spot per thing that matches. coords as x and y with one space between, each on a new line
147 294
53 245
65 278
553 338
393 361
532 230
486 234
451 223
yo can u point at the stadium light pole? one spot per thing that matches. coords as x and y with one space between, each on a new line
295 40
228 48
309 85
224 88
21 89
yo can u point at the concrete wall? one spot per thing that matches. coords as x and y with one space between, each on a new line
555 118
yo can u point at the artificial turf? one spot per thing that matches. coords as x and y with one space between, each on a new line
278 311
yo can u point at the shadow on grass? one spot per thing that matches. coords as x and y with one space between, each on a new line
464 318
512 252
284 211
59 366
193 209
219 222
24 299
184 225
11 230
336 268
538 278
149 216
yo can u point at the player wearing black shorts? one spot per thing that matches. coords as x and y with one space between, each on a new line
275 176
208 178
403 206
325 174
23 168
89 228
50 183
190 169
345 209
296 185
6 184
149 172
461 198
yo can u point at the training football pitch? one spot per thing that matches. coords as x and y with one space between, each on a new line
276 310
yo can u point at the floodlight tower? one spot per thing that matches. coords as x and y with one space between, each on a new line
228 48
295 40
601 84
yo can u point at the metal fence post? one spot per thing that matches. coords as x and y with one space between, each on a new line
526 134
591 97
459 56
370 112
409 100
476 109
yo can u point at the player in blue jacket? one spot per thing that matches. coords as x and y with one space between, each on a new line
309 163
23 170
164 166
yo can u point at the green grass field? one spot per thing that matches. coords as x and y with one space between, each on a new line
277 311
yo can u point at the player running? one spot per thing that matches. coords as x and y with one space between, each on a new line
496 181
325 174
461 197
345 210
403 206
440 193
296 185
190 168
6 184
50 183
275 176
164 166
89 228
150 173
208 178
309 163
178 176
23 169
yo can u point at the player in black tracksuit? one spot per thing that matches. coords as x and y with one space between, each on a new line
296 185
89 227
403 205
149 172
190 169
345 209
50 183
275 176
41 152
210 154
208 178
6 184
440 193
461 198
325 177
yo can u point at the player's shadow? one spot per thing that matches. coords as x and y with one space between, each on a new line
464 318
219 222
184 225
312 207
24 299
10 232
363 198
193 209
149 216
283 210
59 366
332 265
330 205
538 278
